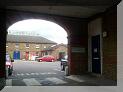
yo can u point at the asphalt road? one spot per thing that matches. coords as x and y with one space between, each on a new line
33 73
36 69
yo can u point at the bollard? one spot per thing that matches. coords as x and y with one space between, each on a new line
66 71
7 72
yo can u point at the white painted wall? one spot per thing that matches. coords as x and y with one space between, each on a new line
120 45
94 28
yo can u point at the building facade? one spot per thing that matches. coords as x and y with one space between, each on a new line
26 47
58 51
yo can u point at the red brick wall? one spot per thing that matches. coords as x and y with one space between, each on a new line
110 44
78 39
56 51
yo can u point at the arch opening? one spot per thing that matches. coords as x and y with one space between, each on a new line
39 27
37 47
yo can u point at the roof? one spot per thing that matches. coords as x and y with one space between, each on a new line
58 45
69 8
29 39
54 47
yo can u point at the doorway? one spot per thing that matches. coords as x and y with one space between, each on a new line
16 55
96 60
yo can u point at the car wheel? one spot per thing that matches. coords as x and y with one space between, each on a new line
10 71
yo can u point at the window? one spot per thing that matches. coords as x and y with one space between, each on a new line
46 53
27 45
37 46
16 45
44 46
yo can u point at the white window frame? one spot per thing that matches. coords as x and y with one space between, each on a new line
26 45
37 46
16 45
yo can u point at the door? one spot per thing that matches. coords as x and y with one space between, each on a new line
27 56
96 61
16 55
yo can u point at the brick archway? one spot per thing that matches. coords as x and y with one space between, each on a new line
76 29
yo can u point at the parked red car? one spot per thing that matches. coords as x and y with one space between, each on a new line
47 58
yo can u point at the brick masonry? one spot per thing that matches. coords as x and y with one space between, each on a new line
56 51
110 44
22 48
110 71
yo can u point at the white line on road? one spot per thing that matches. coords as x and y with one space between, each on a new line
18 74
54 73
43 73
32 74
27 74
9 82
36 73
49 73
56 80
57 69
22 74
75 78
31 82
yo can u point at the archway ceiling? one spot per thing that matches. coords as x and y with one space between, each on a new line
69 8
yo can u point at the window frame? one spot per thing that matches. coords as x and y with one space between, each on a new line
27 45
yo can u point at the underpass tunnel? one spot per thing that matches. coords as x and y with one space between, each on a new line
92 41
80 35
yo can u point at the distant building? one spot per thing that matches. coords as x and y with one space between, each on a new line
58 51
26 47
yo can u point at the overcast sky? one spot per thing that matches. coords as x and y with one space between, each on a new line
47 29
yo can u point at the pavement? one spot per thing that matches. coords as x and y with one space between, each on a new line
72 80
95 80
2 83
50 74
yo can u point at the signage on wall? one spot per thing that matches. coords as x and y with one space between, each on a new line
104 34
95 50
78 50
